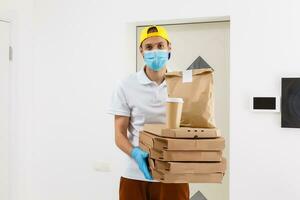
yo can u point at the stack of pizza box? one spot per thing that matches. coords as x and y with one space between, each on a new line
184 155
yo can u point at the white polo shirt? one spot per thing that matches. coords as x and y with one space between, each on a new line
143 101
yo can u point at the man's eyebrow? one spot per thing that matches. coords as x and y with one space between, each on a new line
154 43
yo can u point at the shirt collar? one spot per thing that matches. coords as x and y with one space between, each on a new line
143 78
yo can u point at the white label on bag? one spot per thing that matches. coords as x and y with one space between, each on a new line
187 76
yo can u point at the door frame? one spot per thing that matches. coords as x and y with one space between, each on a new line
176 22
11 17
9 138
200 20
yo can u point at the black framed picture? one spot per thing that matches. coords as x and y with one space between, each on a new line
290 102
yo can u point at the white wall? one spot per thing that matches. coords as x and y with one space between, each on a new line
82 47
264 47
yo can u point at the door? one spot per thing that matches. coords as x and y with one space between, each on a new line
4 110
210 41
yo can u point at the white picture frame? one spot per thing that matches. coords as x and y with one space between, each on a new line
277 104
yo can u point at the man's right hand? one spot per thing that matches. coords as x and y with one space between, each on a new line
141 158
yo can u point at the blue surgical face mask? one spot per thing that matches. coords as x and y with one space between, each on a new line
156 59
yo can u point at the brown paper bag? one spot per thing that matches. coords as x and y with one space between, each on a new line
196 89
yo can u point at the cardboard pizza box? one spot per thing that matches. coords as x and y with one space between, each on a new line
187 177
182 132
178 155
160 143
188 167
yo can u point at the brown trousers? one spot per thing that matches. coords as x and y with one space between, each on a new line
131 189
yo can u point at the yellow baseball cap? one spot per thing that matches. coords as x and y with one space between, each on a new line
161 32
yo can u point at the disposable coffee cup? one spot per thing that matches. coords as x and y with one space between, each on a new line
174 110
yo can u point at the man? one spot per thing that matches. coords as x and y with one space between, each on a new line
140 99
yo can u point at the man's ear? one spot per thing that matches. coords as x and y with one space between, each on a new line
169 46
169 49
141 50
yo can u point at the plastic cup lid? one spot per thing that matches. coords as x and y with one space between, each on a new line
175 100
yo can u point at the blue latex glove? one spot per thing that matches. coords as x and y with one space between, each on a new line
141 157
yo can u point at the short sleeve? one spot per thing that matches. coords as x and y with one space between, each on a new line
119 104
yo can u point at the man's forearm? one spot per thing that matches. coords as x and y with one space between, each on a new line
123 143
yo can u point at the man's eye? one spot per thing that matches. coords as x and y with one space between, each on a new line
160 46
149 47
